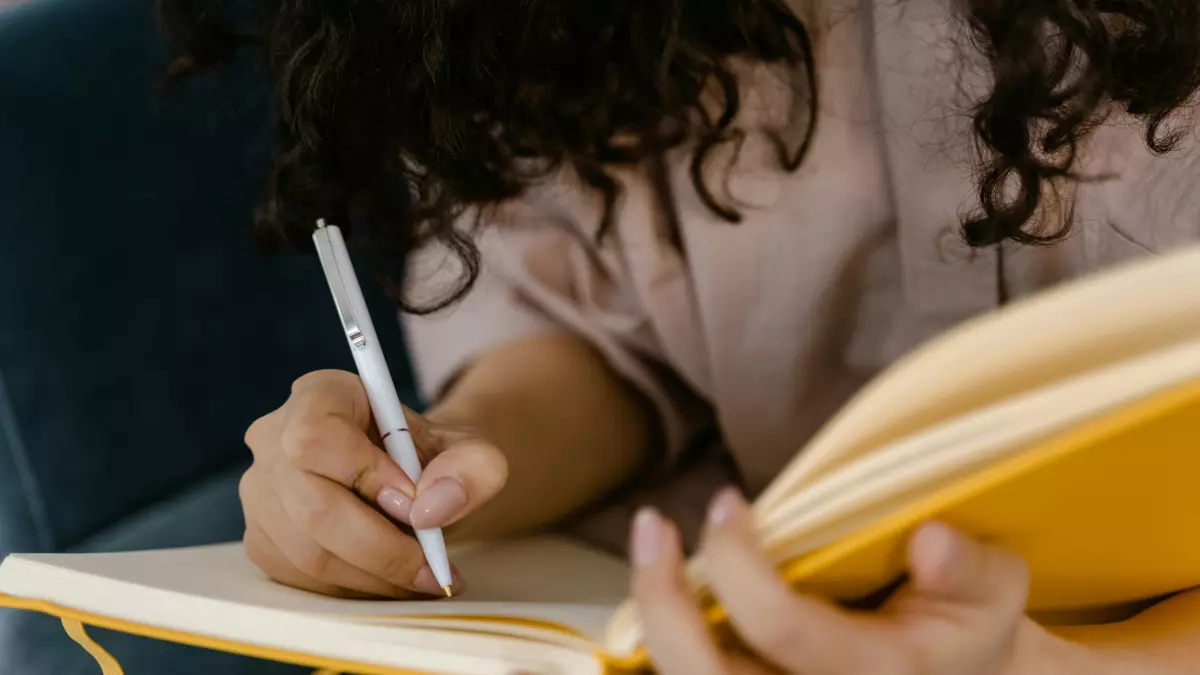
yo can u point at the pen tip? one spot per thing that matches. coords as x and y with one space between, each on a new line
446 589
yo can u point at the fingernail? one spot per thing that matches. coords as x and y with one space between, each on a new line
647 537
396 504
426 583
725 506
939 545
438 503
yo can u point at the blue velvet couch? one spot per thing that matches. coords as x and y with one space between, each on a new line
140 332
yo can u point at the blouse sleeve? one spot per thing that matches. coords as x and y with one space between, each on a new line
541 279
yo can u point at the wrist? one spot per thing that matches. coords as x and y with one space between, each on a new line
1040 652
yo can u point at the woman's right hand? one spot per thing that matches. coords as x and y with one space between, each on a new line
323 501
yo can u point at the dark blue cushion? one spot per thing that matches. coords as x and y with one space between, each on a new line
140 333
35 644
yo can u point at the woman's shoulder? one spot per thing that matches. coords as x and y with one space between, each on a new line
1149 199
1124 198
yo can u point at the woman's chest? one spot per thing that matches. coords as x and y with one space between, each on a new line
839 268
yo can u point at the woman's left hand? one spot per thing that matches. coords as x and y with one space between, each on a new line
961 613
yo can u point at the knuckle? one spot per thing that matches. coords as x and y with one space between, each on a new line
772 630
312 515
250 493
1016 580
774 638
303 441
401 568
246 487
253 433
359 479
1004 565
258 433
308 379
645 592
259 551
322 377
253 547
344 594
313 561
1018 569
501 466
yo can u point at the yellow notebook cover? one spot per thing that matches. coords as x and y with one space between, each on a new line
1102 514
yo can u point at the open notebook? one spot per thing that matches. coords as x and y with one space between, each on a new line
1073 443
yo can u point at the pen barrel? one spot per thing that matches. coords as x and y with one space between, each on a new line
376 378
433 544
387 410
364 343
385 402
400 447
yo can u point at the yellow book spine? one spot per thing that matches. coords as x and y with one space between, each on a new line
75 620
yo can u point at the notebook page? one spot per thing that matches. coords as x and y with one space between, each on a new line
545 579
1057 333
981 437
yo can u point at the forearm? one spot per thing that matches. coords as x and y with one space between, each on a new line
1162 640
569 427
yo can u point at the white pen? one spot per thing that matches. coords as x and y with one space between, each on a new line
377 380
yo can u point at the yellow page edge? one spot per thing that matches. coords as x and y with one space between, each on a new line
921 510
321 663
1045 452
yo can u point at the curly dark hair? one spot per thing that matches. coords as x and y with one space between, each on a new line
403 116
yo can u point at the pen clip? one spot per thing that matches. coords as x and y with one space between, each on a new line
337 284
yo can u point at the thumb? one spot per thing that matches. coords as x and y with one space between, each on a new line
947 566
465 472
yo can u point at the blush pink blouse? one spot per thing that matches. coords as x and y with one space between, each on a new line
752 335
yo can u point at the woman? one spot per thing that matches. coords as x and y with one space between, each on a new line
653 245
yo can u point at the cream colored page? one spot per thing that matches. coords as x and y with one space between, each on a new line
545 578
976 439
1131 310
